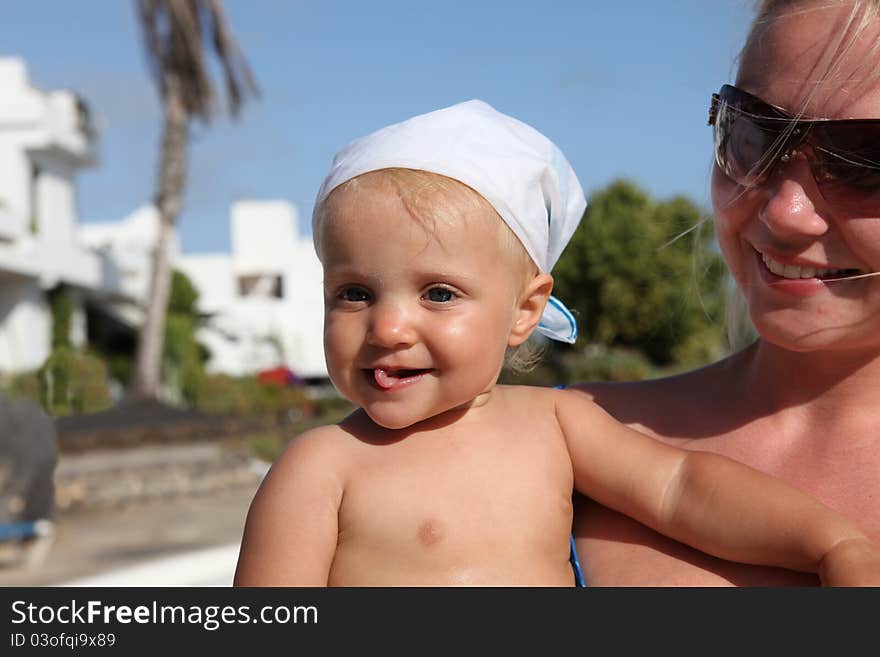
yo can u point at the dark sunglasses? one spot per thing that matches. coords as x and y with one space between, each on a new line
752 137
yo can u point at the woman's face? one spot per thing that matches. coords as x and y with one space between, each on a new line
782 240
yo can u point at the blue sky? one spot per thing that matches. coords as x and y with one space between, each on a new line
621 87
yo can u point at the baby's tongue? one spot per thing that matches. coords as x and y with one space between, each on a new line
384 379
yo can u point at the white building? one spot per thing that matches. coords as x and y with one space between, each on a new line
263 302
45 138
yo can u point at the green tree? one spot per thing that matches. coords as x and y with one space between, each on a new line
61 307
72 381
632 284
182 355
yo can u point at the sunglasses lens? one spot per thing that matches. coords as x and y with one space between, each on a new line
746 137
741 147
847 168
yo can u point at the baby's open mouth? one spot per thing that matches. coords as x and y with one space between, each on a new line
388 379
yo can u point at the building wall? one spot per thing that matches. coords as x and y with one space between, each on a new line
46 137
213 275
25 324
304 310
249 327
55 217
15 204
263 234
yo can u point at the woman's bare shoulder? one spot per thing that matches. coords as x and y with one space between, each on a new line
668 406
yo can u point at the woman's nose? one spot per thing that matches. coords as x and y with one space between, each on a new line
790 210
390 326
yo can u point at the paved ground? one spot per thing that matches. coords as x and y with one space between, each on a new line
146 491
90 543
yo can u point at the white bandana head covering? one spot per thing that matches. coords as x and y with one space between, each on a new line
518 170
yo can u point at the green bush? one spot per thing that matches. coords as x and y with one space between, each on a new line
595 362
269 445
183 357
183 296
266 446
61 306
600 363
73 382
181 362
245 396
25 385
332 409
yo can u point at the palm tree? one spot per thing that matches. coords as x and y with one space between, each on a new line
174 34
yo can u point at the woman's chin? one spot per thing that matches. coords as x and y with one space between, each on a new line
800 336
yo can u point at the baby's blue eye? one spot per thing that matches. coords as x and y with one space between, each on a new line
355 294
440 295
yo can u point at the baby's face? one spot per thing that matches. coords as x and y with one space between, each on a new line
416 318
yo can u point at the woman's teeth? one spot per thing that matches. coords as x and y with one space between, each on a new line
793 271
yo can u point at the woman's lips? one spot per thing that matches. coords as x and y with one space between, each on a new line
797 271
799 287
803 287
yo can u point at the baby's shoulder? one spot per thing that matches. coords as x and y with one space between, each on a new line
560 405
571 409
538 399
324 437
529 396
546 397
326 448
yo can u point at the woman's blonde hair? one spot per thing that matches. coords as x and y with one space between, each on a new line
862 14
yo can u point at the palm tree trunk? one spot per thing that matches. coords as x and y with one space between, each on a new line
169 200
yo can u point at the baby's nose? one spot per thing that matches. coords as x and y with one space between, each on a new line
391 326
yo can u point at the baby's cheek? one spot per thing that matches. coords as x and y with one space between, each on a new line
480 342
339 347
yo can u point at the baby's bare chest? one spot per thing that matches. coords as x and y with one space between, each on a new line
445 498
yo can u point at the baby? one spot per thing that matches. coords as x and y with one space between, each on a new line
436 236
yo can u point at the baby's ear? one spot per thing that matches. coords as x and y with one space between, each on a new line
529 308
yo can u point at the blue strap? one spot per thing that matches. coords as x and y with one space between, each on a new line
557 322
573 556
576 565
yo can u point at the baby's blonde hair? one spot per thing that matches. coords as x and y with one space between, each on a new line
429 198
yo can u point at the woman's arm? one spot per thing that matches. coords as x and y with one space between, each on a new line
291 529
711 502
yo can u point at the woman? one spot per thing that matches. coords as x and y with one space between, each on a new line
797 211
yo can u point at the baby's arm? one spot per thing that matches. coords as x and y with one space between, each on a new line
711 502
291 529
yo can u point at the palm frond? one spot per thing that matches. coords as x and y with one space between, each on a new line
174 38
